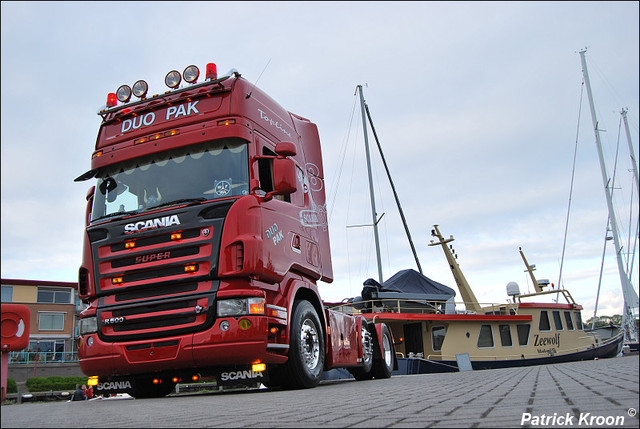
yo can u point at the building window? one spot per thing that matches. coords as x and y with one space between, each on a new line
544 321
523 334
485 339
48 350
48 321
505 335
52 295
7 293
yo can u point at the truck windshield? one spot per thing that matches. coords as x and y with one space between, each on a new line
216 169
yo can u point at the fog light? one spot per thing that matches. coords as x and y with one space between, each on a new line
90 341
224 325
244 324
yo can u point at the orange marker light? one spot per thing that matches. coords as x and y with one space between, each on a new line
117 280
258 367
191 268
176 236
130 244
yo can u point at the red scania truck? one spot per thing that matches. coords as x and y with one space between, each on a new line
206 232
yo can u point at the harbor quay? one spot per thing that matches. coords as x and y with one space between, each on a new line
596 393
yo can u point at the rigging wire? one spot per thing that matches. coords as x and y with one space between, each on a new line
573 171
343 152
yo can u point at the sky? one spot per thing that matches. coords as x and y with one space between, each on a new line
479 108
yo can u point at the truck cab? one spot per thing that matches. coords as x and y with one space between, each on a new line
206 232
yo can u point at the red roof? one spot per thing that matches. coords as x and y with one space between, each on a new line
23 282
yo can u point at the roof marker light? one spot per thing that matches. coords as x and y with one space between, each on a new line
140 89
191 74
124 93
112 100
212 71
172 79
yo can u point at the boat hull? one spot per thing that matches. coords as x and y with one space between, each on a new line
407 366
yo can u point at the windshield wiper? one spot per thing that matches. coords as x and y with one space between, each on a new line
121 213
180 201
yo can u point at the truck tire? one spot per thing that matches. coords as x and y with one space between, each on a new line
383 365
306 347
364 372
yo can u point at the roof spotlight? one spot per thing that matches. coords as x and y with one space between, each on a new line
124 93
172 79
191 74
140 89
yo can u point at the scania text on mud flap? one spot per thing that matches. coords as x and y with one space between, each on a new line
206 234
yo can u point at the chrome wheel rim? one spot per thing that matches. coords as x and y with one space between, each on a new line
309 344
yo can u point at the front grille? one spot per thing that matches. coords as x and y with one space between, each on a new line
156 291
156 319
158 282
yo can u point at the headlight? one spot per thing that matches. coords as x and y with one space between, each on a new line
88 325
123 93
172 79
240 306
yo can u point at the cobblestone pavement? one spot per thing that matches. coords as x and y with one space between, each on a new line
600 393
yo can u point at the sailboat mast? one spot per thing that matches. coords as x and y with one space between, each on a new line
374 215
634 164
629 294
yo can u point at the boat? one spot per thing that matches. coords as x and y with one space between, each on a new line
432 335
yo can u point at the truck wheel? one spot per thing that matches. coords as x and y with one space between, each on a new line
364 372
383 365
306 347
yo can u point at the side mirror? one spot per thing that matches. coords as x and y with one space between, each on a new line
286 149
284 176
